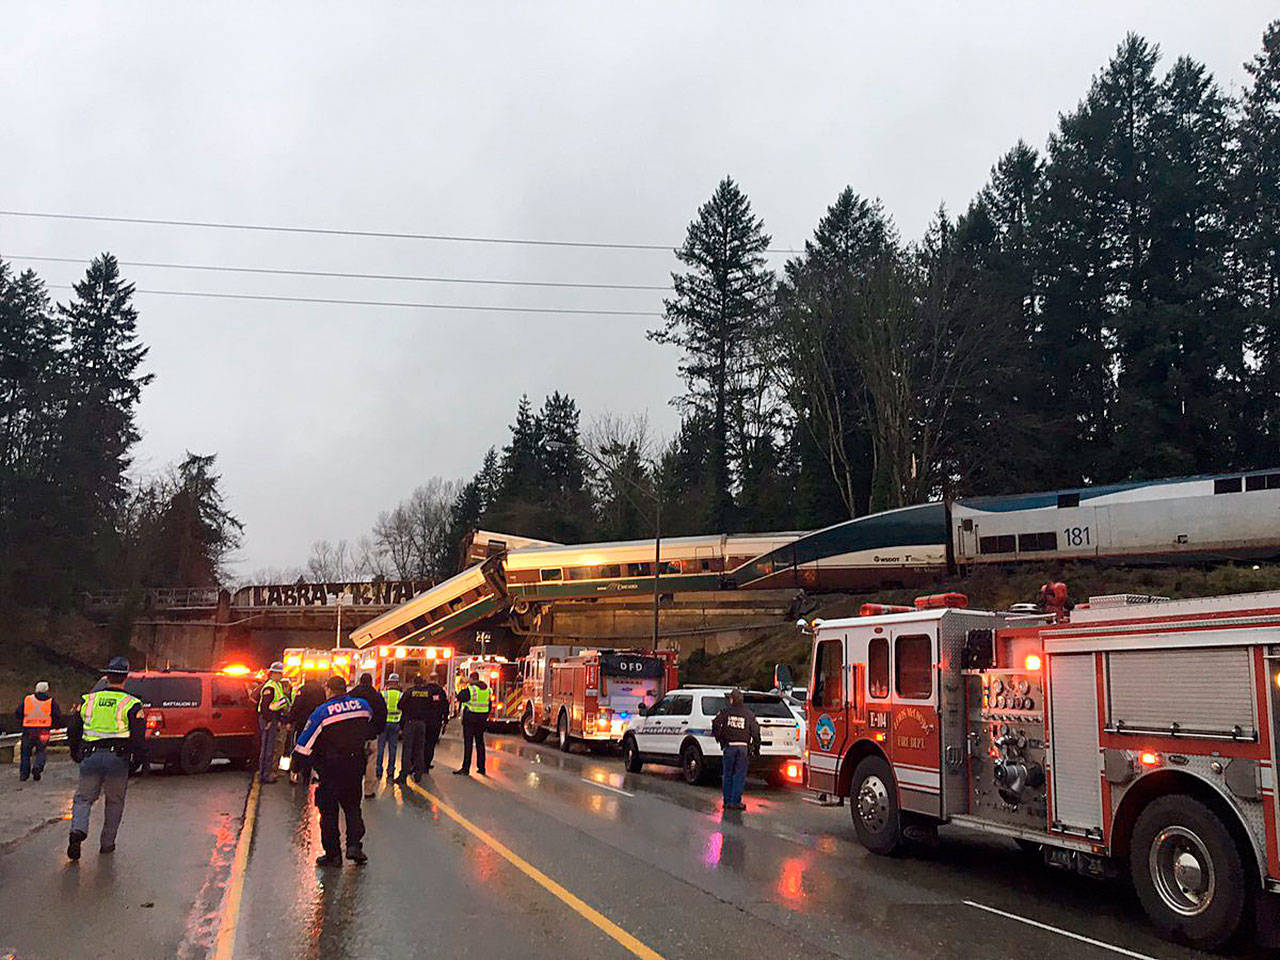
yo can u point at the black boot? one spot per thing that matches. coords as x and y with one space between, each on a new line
329 860
356 854
73 844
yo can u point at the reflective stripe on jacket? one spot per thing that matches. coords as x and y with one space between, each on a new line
392 697
37 712
105 714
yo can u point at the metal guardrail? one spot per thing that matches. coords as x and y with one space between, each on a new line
9 742
173 598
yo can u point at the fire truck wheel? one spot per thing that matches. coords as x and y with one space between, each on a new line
530 729
692 764
631 755
196 752
1188 872
563 740
874 804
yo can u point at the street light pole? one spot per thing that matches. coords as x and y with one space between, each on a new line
657 562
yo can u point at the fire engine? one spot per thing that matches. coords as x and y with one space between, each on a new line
587 694
503 677
1134 735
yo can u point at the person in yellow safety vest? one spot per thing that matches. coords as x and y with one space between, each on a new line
38 713
390 734
476 701
107 738
273 708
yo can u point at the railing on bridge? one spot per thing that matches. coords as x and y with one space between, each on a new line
169 598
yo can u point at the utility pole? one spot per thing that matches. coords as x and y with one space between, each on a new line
657 561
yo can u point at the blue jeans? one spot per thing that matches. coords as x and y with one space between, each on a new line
101 773
267 730
32 743
734 772
387 741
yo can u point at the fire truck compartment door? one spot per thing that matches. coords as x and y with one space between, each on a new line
1075 757
914 738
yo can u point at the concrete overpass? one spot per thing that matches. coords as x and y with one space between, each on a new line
204 627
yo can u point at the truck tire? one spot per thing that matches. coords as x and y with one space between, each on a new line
873 801
1188 872
196 752
563 740
693 765
530 729
631 759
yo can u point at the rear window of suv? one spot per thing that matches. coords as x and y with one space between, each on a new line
167 692
761 704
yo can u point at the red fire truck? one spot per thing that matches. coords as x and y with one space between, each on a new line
588 695
1136 737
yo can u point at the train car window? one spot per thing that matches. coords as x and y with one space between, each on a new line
551 573
878 668
639 570
672 567
1068 500
1256 482
579 573
826 675
609 570
1226 485
913 667
1031 542
496 547
1001 544
1273 481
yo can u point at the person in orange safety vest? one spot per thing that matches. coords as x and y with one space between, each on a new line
39 714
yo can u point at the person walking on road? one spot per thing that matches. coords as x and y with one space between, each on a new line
334 739
391 732
475 701
106 737
736 730
273 709
39 714
437 718
366 692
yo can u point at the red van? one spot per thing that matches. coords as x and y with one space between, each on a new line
194 716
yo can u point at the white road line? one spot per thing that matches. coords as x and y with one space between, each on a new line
605 786
1066 933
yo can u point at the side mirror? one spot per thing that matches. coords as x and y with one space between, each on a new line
642 710
782 677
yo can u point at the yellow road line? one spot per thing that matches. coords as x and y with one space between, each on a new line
225 945
583 909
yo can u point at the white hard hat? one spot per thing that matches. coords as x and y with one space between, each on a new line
276 667
394 678
42 687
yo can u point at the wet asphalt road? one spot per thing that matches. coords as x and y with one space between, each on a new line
655 857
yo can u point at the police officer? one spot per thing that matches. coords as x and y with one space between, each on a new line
736 730
38 713
333 738
424 708
273 708
106 737
391 732
475 700
377 724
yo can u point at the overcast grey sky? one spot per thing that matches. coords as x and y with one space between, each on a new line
586 121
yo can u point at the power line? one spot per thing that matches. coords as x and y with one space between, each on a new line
334 232
383 303
357 276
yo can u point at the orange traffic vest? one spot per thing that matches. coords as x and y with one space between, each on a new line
37 712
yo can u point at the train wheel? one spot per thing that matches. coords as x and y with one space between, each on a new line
1188 872
874 805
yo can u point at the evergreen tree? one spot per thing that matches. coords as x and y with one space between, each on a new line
1256 224
715 317
522 474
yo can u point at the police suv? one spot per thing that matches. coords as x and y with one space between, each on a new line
676 731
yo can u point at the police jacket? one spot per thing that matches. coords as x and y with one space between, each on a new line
736 726
377 702
337 728
309 697
426 702
266 697
135 745
54 710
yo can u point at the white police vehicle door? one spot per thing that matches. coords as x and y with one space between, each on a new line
665 725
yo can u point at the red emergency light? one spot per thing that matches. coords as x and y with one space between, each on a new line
939 601
876 609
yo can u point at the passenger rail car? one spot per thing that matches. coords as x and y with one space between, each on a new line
609 569
1224 516
461 601
482 544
